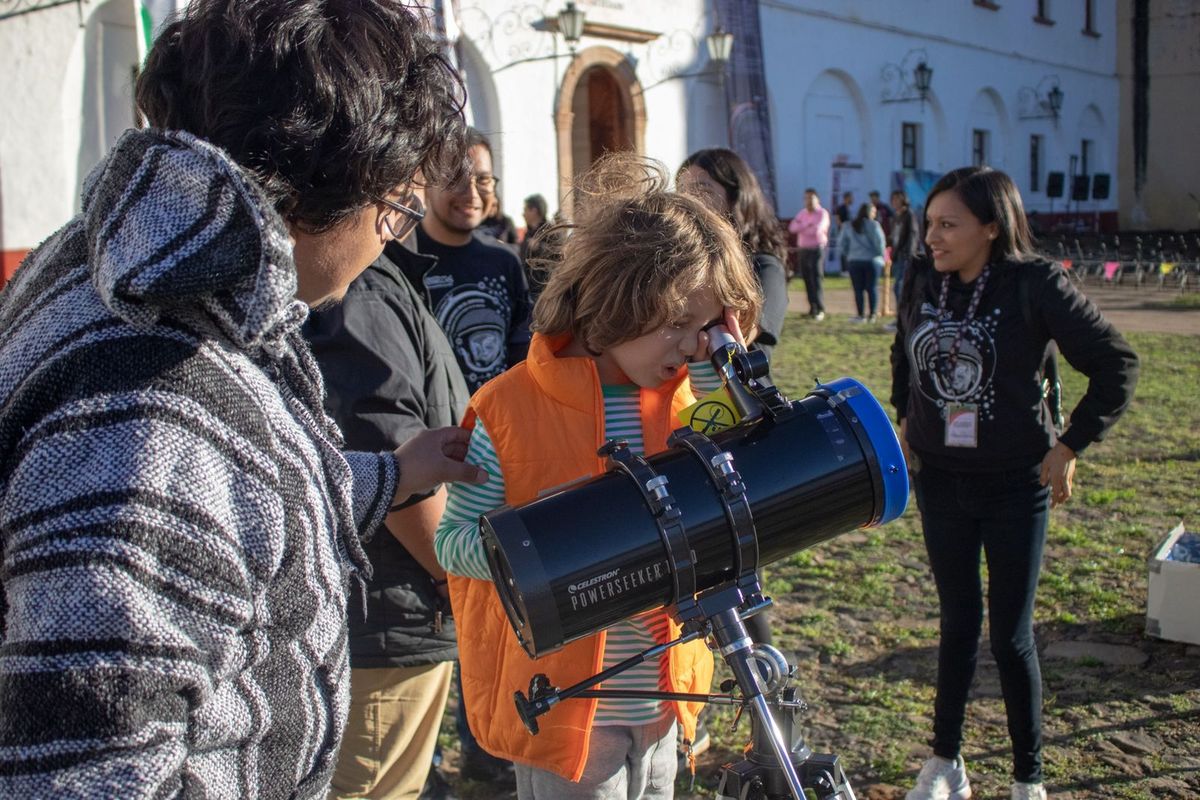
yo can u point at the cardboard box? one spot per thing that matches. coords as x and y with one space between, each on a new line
1173 606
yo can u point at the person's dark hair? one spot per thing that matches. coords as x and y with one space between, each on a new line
810 190
992 197
751 212
538 204
326 103
476 137
864 213
903 198
873 195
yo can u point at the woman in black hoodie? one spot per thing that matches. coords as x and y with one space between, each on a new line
988 462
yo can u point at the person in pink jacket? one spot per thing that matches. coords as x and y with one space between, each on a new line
811 227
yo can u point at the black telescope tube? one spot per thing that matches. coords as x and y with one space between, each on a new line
579 560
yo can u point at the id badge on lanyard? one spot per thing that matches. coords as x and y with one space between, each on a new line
962 419
962 425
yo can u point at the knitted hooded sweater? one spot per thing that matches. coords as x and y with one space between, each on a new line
178 522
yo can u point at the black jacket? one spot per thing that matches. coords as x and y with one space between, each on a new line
773 281
999 366
906 234
389 374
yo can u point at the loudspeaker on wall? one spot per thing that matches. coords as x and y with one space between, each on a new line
1054 184
1079 187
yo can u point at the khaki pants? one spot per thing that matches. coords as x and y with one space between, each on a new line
393 726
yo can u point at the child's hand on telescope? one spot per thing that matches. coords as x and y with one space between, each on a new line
731 324
735 328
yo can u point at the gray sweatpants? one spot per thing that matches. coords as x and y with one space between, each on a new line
624 763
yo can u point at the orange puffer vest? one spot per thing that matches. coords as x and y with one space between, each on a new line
545 417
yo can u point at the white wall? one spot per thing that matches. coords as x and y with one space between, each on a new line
515 103
68 96
981 60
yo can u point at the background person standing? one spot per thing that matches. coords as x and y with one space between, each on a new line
474 286
883 212
534 214
811 228
864 244
390 374
724 182
906 241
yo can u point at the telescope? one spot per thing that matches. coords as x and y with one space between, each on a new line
689 527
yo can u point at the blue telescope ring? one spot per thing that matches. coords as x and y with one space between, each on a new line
878 427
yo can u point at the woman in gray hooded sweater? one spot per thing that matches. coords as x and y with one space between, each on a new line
180 526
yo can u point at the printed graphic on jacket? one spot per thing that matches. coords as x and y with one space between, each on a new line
475 319
971 379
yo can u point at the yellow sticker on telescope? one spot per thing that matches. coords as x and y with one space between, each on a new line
711 413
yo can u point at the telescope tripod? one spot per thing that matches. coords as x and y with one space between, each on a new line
779 764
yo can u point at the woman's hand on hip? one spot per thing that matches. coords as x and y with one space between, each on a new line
1058 472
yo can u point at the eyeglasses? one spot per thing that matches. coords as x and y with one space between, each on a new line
411 211
484 184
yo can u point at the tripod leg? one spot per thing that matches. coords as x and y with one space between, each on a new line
730 634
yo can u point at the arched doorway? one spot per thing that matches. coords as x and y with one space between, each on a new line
600 109
601 121
835 130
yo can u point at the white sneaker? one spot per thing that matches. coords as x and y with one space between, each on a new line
820 315
942 779
857 319
1027 791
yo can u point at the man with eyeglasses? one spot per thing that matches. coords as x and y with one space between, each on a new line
475 286
389 374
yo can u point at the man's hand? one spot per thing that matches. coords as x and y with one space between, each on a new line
1058 470
432 457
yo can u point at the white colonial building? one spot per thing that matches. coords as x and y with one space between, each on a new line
823 93
1024 86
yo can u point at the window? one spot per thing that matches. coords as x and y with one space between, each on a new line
1089 18
1043 13
1086 148
979 147
1035 163
910 145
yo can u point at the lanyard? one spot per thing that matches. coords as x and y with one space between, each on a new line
946 367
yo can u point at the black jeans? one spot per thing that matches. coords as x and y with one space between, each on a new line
899 267
1004 514
812 267
864 280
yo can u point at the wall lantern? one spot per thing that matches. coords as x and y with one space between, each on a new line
720 46
922 76
908 81
1044 102
570 24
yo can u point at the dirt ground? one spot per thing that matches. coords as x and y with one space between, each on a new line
1149 310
